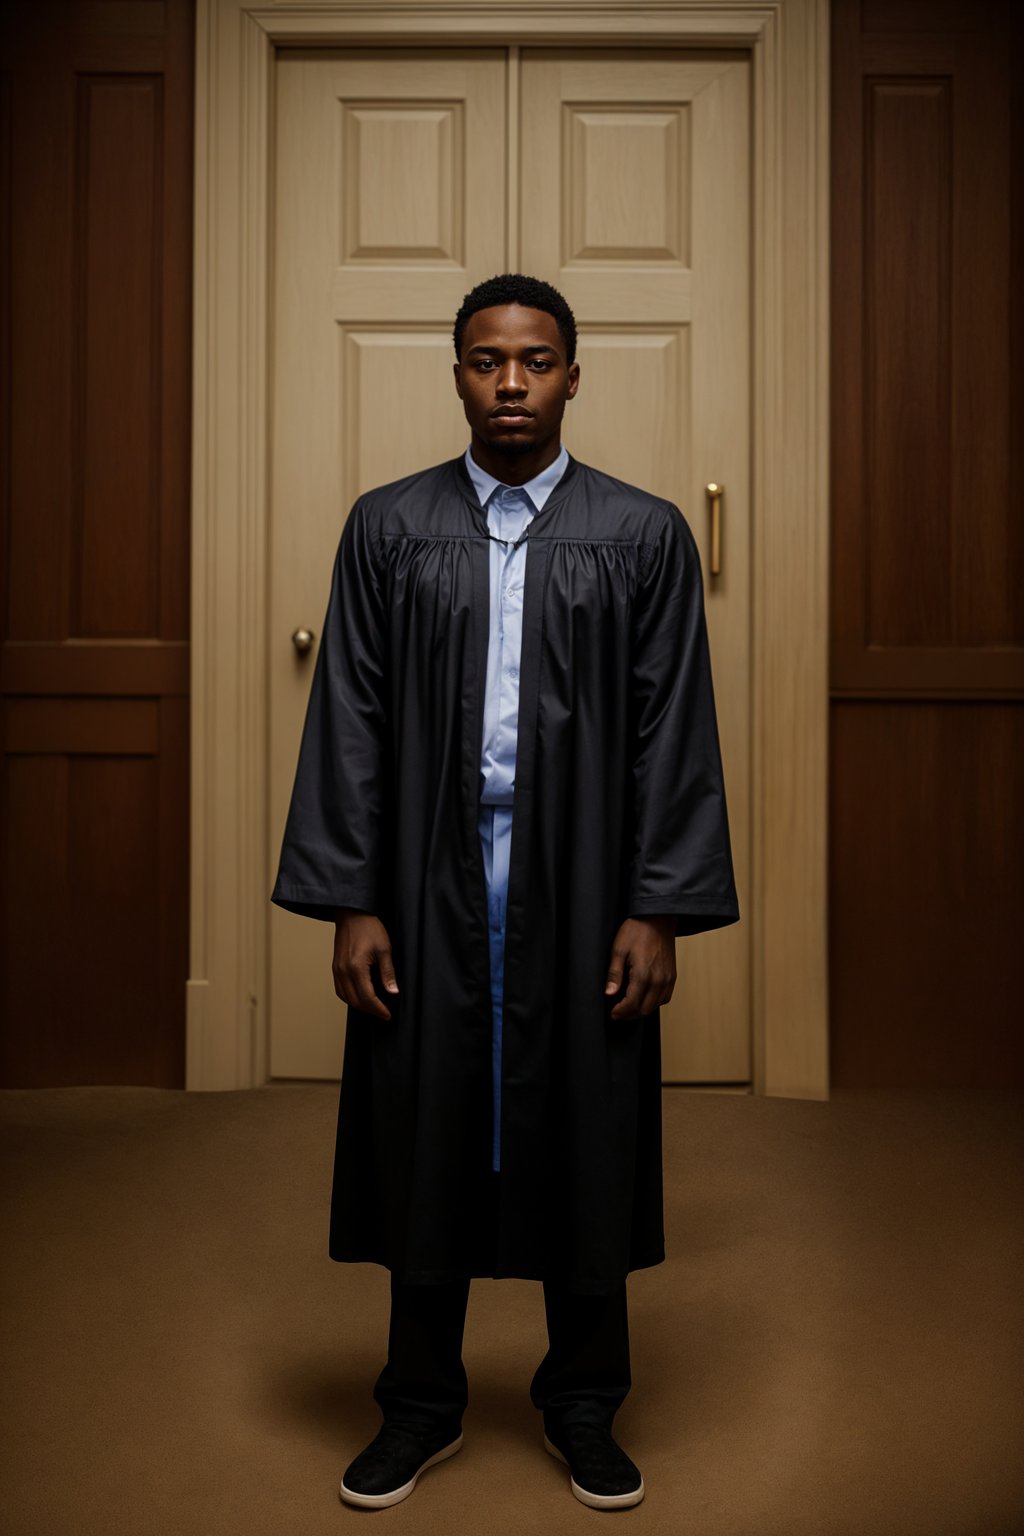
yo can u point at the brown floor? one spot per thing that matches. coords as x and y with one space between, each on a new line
833 1346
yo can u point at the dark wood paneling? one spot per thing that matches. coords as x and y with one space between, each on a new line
115 668
926 902
928 541
37 574
987 573
89 972
907 215
116 367
6 135
81 726
926 820
917 19
96 324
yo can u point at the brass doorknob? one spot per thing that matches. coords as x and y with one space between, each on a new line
303 641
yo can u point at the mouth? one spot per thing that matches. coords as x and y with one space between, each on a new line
512 416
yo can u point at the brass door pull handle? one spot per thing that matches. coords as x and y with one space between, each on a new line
714 493
303 641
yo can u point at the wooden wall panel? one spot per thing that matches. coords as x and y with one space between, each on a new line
926 908
116 361
926 853
82 894
987 559
927 592
907 217
96 323
36 574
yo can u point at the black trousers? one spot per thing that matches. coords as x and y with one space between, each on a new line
583 1378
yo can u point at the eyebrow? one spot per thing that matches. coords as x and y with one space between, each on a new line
539 347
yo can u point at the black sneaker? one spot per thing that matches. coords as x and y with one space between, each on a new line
386 1472
601 1474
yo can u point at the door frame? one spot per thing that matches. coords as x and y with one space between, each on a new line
227 1036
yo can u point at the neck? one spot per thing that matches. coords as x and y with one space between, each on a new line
515 468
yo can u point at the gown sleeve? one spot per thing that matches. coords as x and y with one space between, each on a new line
331 855
681 857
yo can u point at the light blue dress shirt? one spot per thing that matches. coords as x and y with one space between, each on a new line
510 509
509 512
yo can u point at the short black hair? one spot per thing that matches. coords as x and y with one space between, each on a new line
514 288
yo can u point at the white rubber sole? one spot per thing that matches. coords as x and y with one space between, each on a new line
597 1500
385 1500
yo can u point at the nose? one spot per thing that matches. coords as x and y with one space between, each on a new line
512 378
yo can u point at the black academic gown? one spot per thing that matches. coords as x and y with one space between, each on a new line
619 811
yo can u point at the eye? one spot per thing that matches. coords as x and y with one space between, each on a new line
540 364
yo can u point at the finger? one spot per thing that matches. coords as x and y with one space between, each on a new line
628 1006
613 981
340 974
651 1000
659 990
367 1000
344 989
386 966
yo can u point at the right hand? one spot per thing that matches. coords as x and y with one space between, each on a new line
360 941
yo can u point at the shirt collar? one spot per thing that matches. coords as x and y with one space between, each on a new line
538 489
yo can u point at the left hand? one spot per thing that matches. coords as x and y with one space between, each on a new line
645 946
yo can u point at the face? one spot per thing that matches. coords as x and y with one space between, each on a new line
513 381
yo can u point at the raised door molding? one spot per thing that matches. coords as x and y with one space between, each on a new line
235 46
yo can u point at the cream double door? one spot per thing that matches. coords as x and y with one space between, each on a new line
402 179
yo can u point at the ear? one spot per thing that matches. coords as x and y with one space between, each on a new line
457 371
573 382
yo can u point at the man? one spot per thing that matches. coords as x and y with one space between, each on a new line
509 799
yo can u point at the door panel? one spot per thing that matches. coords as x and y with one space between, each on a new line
391 202
635 180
